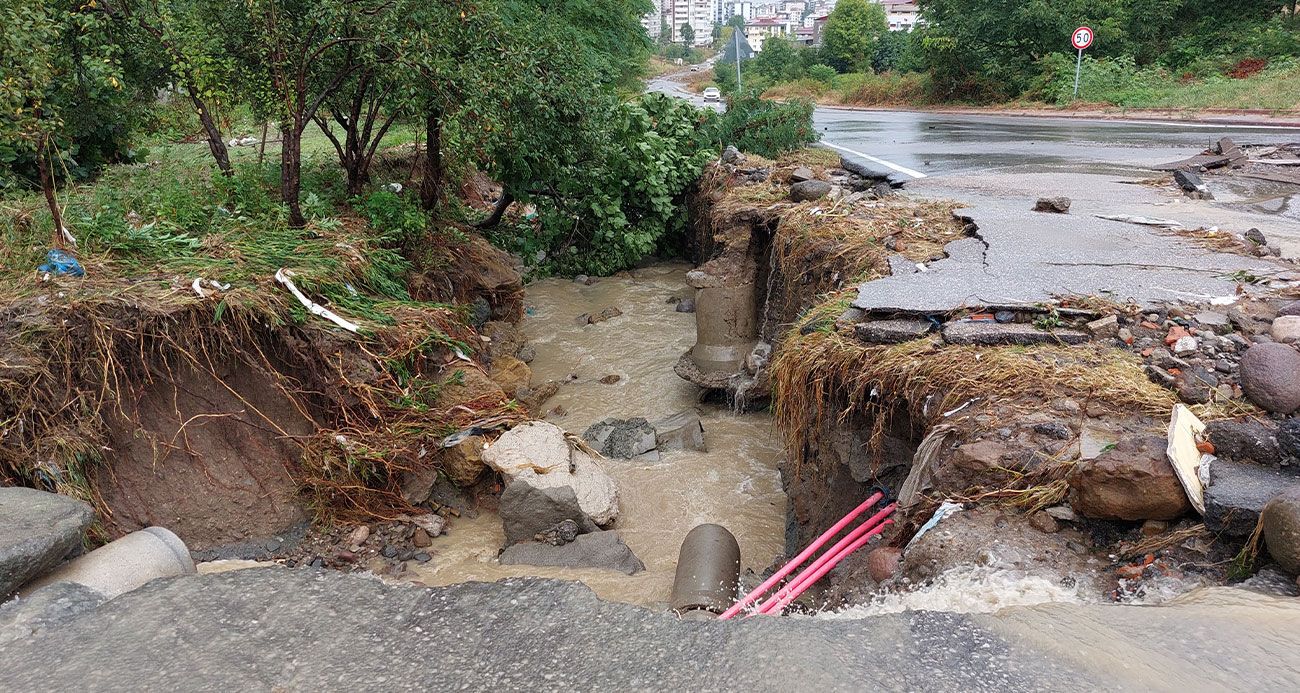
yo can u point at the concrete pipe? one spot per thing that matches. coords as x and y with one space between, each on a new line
708 573
726 323
123 565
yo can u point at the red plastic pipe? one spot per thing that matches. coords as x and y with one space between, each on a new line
826 568
803 556
832 554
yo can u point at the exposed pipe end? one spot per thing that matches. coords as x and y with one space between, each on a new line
708 573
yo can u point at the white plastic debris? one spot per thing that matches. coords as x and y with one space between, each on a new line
946 509
1187 461
1144 221
200 281
282 275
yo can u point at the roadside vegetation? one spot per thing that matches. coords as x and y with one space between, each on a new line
1169 55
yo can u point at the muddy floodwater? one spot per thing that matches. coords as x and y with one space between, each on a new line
734 484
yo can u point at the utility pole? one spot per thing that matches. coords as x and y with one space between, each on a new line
736 32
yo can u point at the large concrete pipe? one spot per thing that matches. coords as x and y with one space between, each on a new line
708 573
123 565
726 321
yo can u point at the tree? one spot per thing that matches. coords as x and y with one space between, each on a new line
717 31
780 60
62 65
688 34
850 36
737 21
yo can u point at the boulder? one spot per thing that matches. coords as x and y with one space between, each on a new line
538 453
462 383
802 174
463 462
604 550
1292 308
731 155
513 375
1281 519
809 190
1237 494
1131 481
686 305
527 511
1053 205
1270 377
622 438
681 432
1244 441
37 529
1285 329
882 563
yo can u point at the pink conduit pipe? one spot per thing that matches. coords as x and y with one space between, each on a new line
798 560
832 554
779 606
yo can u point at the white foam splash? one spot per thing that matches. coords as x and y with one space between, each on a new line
970 590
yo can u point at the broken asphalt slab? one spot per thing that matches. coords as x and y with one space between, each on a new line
303 630
1019 258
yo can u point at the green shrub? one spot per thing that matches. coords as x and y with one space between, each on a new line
822 73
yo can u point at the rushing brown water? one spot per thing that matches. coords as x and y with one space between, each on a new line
734 484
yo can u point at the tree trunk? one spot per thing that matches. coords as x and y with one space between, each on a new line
47 187
291 172
431 186
215 143
261 148
499 211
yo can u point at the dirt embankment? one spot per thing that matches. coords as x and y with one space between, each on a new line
1046 424
232 415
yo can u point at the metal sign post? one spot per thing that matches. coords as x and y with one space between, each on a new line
1082 39
736 32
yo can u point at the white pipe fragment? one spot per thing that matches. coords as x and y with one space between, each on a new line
282 275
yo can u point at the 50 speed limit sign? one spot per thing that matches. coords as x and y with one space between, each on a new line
1082 37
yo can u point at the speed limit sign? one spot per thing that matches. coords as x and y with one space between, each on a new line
1082 37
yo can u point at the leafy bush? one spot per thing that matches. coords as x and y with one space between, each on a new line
822 73
766 128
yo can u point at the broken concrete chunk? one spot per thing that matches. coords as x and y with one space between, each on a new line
993 334
1104 327
801 174
1053 205
1237 494
622 438
892 331
1192 184
681 432
604 550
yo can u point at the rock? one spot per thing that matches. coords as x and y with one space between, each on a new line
1103 327
580 279
882 190
1004 316
527 511
610 379
1185 345
1292 308
538 453
681 432
465 384
514 376
1256 236
535 398
882 563
610 312
1132 481
1237 494
1270 377
809 190
1063 512
622 438
1054 205
429 522
1244 441
559 535
463 462
446 494
801 174
1288 442
1124 335
1281 520
1044 523
421 538
526 353
359 535
892 331
604 550
584 319
1151 528
1189 182
1054 429
686 305
987 538
993 334
1285 329
731 155
1209 318
1195 385
46 607
37 529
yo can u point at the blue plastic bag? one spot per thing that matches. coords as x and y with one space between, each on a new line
59 262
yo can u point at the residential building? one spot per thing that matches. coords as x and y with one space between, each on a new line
760 29
903 15
653 20
819 24
744 9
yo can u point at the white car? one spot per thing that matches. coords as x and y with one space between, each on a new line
695 68
712 94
